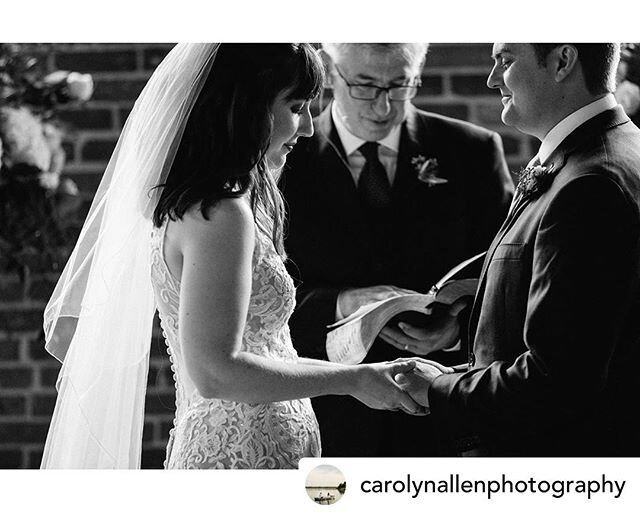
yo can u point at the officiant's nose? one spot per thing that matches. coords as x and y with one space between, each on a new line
382 103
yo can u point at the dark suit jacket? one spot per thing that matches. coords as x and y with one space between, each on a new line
332 245
556 323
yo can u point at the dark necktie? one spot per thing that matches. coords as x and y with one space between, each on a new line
373 185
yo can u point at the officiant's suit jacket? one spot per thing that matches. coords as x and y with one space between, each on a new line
332 245
556 322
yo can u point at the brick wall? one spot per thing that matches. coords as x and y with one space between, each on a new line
453 84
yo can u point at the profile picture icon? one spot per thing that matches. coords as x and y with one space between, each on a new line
325 484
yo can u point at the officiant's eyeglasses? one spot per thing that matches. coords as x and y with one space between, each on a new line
371 92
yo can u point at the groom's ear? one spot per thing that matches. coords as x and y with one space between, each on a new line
328 69
564 61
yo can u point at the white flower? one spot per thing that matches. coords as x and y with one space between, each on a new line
23 138
80 86
49 180
428 170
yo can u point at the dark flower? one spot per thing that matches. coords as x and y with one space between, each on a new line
535 180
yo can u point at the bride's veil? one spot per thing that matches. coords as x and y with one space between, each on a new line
99 319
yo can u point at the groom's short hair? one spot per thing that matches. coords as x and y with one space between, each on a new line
599 63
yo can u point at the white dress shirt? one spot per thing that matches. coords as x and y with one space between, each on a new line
387 151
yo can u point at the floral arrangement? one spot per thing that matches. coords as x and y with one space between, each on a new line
38 209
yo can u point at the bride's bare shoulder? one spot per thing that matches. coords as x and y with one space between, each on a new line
229 218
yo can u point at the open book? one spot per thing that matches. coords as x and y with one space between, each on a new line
350 339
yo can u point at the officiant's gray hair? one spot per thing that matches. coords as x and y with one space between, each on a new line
414 52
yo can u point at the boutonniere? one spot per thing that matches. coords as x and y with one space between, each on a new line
428 170
535 180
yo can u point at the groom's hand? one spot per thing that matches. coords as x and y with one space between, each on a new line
417 381
442 332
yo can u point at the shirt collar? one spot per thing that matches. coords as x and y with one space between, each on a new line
560 131
351 143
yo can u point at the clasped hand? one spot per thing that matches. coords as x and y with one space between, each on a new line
402 384
417 381
376 386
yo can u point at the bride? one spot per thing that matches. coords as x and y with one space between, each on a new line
188 219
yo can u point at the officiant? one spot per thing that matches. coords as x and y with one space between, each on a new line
384 198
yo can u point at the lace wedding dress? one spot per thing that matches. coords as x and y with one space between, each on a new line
213 433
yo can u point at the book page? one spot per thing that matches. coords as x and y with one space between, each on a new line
350 341
360 312
351 338
345 345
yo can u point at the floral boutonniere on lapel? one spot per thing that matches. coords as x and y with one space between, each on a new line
428 170
535 180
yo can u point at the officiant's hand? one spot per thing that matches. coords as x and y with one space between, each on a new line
417 382
442 333
350 299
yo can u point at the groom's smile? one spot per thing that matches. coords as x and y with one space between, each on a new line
523 83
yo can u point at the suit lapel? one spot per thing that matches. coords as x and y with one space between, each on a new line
580 136
585 133
333 172
329 140
413 140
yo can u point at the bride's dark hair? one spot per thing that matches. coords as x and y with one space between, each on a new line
222 152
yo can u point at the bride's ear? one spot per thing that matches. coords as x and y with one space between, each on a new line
328 69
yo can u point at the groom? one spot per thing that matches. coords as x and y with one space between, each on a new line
555 327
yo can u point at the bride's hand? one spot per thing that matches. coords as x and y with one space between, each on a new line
376 387
417 381
419 362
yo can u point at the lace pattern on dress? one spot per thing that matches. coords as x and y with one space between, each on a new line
213 433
